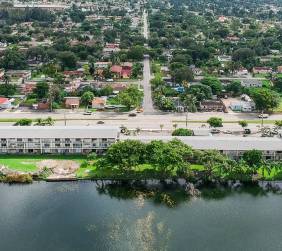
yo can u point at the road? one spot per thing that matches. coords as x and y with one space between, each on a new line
147 101
143 121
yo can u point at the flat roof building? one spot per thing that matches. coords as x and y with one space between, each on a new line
231 146
56 139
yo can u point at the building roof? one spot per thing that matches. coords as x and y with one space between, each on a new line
3 100
221 143
59 131
98 101
116 69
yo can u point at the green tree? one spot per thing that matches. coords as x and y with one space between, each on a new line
67 60
136 53
182 74
214 83
86 98
215 122
265 99
253 158
41 90
13 59
130 97
126 154
235 88
278 83
278 123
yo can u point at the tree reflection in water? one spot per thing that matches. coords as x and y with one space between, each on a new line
170 193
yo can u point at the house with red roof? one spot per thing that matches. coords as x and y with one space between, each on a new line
99 103
6 103
122 71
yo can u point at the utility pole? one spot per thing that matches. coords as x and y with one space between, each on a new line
65 118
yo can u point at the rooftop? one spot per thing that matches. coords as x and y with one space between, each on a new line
221 143
59 131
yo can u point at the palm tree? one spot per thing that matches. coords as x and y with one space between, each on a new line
39 122
138 130
6 79
49 121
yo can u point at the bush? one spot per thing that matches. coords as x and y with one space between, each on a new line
182 132
23 122
215 122
18 178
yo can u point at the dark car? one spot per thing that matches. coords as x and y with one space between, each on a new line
100 122
132 115
247 131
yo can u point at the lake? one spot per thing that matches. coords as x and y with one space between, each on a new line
90 216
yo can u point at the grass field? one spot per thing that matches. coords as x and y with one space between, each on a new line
279 108
29 163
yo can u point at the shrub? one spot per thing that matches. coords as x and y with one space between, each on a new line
182 132
215 122
23 122
18 178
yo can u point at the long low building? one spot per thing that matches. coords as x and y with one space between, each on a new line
56 139
86 139
231 146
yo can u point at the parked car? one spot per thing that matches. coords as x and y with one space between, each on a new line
263 116
247 131
100 122
132 114
87 113
215 131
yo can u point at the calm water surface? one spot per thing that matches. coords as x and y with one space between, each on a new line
78 216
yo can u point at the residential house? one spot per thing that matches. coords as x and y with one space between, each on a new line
6 103
242 106
102 65
212 105
242 72
72 102
24 74
116 71
262 70
251 83
28 87
165 70
232 39
222 19
122 71
99 102
196 71
111 48
126 69
279 69
76 73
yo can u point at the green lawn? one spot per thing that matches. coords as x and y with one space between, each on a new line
140 171
29 163
279 108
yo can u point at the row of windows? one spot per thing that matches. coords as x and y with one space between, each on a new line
56 139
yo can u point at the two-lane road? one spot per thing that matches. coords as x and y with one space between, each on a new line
147 101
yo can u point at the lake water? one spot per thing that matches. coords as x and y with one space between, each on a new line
84 216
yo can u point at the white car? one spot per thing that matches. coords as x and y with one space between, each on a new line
263 116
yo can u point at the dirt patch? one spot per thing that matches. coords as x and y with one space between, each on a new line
60 167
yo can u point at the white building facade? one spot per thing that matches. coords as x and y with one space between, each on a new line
56 139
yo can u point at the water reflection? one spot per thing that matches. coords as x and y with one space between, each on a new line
172 194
